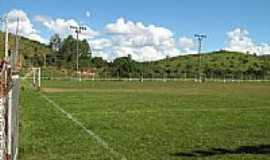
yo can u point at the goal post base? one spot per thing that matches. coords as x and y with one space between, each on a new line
36 78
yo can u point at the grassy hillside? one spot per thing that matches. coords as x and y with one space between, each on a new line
28 48
218 63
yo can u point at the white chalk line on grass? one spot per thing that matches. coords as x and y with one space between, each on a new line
88 131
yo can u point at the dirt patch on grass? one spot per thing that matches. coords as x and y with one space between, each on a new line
121 90
103 90
62 90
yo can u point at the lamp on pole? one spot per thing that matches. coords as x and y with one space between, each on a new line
78 30
200 38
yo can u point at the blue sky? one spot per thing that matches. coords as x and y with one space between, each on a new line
182 17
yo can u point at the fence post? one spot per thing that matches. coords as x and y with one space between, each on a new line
15 116
2 128
39 77
34 77
9 138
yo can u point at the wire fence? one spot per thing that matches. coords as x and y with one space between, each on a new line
51 74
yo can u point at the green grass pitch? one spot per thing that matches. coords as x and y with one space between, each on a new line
146 121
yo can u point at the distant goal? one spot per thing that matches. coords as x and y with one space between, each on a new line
36 77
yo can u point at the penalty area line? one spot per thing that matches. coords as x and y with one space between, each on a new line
88 131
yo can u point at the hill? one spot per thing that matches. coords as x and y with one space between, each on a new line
218 64
28 48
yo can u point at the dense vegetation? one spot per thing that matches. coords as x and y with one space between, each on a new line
61 54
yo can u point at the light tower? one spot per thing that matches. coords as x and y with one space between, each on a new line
5 21
200 38
78 30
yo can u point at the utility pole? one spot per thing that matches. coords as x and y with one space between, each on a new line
4 20
6 38
200 38
78 30
15 58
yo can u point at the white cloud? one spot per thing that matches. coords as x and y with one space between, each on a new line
138 34
99 44
26 27
239 40
140 54
143 42
120 38
62 27
187 44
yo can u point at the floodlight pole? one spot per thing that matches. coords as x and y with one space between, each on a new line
16 56
200 38
6 38
78 30
77 50
5 21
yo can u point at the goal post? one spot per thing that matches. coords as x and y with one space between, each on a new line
36 77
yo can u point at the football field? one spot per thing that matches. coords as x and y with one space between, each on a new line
70 120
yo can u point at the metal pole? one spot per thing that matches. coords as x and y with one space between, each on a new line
77 31
6 49
34 76
2 127
6 38
200 49
39 77
16 93
10 122
200 38
200 45
15 58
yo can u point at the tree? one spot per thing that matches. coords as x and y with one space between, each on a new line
125 66
55 43
68 53
98 62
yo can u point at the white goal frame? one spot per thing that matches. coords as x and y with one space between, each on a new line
36 77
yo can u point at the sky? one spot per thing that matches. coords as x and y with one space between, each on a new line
147 29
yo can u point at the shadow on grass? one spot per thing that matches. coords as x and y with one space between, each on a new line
260 149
